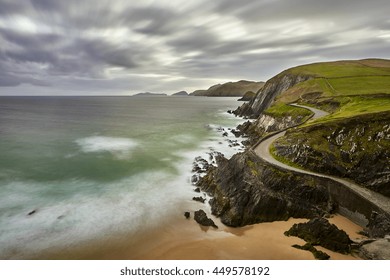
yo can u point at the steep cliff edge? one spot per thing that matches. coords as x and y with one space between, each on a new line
272 88
247 190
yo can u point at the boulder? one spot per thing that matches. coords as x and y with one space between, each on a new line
201 218
199 198
319 231
379 225
376 250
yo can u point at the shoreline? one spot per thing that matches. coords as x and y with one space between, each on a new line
183 239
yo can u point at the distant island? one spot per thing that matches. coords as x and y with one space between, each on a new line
150 94
244 89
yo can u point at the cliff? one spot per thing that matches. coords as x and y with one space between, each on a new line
272 88
352 141
247 190
230 89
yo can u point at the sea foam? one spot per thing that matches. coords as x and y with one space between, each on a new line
118 146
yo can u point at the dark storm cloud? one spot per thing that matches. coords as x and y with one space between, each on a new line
172 43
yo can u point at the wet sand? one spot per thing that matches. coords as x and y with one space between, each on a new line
181 239
189 241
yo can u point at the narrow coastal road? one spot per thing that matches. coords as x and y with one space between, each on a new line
263 151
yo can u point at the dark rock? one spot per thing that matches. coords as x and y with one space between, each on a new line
225 134
32 212
201 218
197 190
187 215
247 190
200 165
319 231
199 198
319 255
379 225
194 179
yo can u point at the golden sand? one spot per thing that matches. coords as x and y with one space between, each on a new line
182 239
189 241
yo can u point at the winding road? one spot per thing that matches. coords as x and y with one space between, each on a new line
263 151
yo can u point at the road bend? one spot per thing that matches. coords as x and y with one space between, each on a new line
263 151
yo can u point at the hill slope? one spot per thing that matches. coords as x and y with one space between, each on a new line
230 89
353 140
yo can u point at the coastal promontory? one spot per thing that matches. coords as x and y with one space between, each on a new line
230 89
339 161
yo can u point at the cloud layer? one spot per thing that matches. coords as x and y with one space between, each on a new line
123 47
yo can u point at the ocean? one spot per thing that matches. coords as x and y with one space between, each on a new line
80 169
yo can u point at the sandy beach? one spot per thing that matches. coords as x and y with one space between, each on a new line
186 240
260 241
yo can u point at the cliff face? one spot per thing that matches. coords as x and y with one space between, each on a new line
272 88
265 124
352 141
356 148
247 190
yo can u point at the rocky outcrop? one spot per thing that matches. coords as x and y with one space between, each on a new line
265 124
356 148
319 231
272 88
376 250
379 225
199 199
201 218
248 96
230 89
247 190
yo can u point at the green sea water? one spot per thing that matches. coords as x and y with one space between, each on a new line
78 168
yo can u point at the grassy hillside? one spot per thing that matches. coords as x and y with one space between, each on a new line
353 140
345 88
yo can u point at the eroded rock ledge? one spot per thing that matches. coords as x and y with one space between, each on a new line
247 190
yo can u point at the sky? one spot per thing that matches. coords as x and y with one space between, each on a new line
118 47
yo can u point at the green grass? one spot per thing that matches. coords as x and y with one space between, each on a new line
343 69
279 109
361 85
345 89
357 105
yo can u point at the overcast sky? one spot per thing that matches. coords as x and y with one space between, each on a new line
124 47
